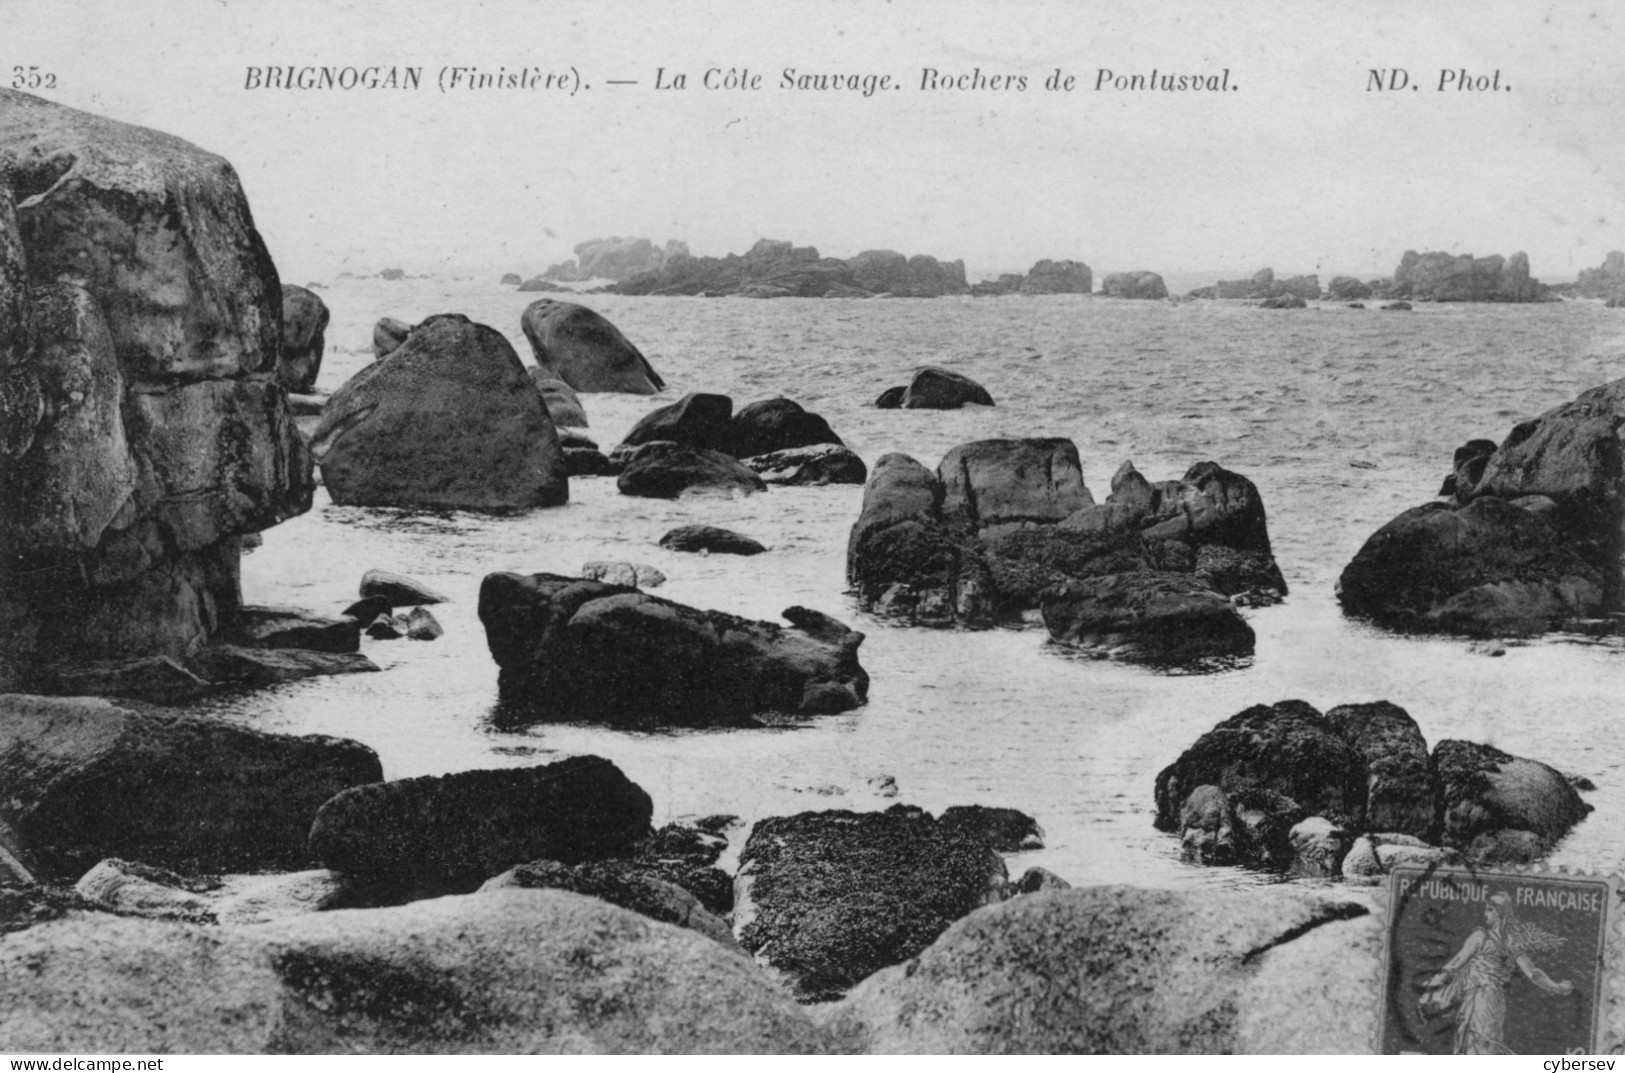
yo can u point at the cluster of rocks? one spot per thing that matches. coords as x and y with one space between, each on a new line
573 649
699 443
1606 281
1444 277
1004 528
1139 284
613 258
1264 285
1355 792
1044 277
778 269
145 430
1526 536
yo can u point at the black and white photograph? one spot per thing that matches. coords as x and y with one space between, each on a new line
826 528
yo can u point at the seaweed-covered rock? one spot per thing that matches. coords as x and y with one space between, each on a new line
471 825
582 348
1400 789
449 420
569 648
824 899
87 779
1486 792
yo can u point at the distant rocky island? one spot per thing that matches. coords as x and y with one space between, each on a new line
1426 277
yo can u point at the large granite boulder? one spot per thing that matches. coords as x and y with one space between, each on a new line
698 420
932 388
563 405
143 429
304 320
1134 285
665 470
86 779
449 420
502 972
1485 793
993 486
1400 788
471 825
825 899
586 351
776 425
570 649
1126 970
1444 277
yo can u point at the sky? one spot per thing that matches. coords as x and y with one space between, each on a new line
1302 166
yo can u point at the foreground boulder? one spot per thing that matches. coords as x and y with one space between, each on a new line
86 779
1125 970
1529 538
586 351
504 972
143 427
449 420
1284 787
570 649
1003 527
471 825
304 320
825 899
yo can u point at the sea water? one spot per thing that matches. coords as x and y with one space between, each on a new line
1342 417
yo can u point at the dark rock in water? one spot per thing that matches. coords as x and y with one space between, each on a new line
891 398
663 470
288 627
775 425
386 627
1397 307
1486 792
398 589
143 429
585 350
621 883
823 464
938 389
1285 301
711 539
392 274
701 421
234 666
86 779
388 335
1489 569
630 575
586 462
368 608
563 406
824 899
1134 285
422 626
503 972
992 486
1287 748
1007 830
1146 615
473 824
1399 779
576 649
511 279
451 420
304 319
1125 970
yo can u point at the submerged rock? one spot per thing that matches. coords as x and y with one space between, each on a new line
586 351
570 648
709 538
451 421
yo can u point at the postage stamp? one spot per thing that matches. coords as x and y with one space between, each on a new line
1479 962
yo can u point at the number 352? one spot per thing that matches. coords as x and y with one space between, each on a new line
32 78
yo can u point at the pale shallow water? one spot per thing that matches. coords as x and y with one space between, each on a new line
1289 398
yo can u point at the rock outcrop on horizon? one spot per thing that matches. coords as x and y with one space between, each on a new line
143 428
1605 281
1526 538
1045 277
1004 528
1263 284
581 347
1133 285
614 258
448 420
1269 782
1444 277
777 269
572 649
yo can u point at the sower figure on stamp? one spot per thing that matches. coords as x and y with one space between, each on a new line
1478 975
